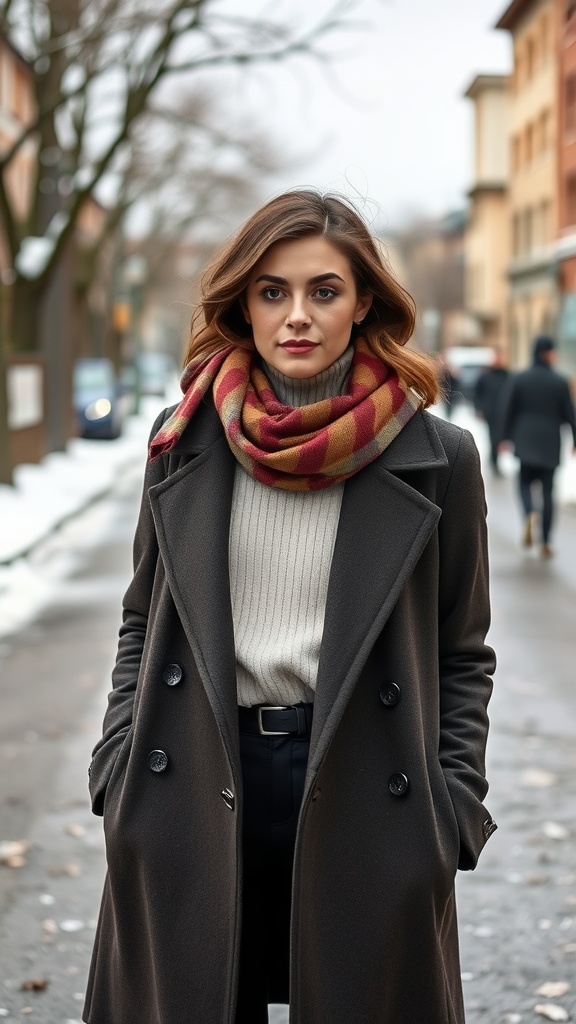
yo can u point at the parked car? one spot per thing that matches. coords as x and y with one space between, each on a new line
154 370
98 399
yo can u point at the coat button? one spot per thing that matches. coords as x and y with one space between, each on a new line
157 761
172 675
390 694
228 798
398 784
488 827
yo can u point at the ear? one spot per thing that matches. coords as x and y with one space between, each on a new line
362 307
244 308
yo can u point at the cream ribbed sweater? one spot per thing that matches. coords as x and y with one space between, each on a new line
281 545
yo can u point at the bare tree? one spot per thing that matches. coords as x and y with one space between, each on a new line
99 67
215 175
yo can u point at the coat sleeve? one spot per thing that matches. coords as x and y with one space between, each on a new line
136 603
508 410
466 662
568 414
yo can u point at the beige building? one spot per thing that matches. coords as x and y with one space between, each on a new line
532 307
487 240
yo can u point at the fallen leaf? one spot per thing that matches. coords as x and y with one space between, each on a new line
570 947
76 830
27 1009
553 989
538 878
551 1011
34 985
544 924
13 852
50 927
553 830
513 1018
71 925
537 778
72 870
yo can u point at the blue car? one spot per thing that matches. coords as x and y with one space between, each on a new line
97 398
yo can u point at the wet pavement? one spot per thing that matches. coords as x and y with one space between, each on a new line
517 911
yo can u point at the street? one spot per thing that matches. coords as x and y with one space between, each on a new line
517 911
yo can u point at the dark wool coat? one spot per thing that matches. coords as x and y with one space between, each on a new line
395 783
537 403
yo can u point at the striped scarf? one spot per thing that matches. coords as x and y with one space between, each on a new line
297 449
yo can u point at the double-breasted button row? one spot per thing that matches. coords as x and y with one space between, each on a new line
398 784
390 694
157 761
228 798
488 827
172 675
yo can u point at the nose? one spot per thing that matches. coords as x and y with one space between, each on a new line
298 316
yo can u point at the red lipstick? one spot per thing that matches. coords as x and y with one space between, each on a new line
298 345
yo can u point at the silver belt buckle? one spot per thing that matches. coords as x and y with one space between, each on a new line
266 732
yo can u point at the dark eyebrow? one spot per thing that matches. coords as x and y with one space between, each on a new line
313 280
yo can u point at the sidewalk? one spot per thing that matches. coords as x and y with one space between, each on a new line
48 500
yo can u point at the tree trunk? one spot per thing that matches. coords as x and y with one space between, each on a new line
24 315
6 476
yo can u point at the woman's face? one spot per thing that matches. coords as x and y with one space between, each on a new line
301 302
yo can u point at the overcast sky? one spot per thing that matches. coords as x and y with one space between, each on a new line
389 124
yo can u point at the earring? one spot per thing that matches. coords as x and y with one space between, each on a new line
358 322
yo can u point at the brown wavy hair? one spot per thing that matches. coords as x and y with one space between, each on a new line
388 325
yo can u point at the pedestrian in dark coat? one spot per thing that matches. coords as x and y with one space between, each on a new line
292 763
537 404
488 401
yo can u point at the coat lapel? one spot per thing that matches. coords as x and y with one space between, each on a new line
191 510
384 526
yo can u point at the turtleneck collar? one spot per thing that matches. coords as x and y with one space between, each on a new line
327 384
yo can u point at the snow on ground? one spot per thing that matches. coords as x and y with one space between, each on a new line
39 516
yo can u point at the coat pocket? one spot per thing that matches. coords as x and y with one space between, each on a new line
118 772
446 820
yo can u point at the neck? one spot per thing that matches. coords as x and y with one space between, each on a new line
295 391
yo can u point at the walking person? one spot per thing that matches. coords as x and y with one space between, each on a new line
292 763
537 404
488 394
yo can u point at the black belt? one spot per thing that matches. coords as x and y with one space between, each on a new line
265 720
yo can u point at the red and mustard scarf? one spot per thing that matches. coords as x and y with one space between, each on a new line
297 449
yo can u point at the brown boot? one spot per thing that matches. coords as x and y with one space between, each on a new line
529 525
546 551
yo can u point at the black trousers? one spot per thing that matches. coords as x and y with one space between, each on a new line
273 773
530 475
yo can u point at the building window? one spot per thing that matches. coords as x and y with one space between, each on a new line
515 154
545 38
544 227
529 144
570 105
571 200
516 235
528 232
530 58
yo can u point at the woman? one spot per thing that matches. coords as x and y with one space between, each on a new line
292 765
